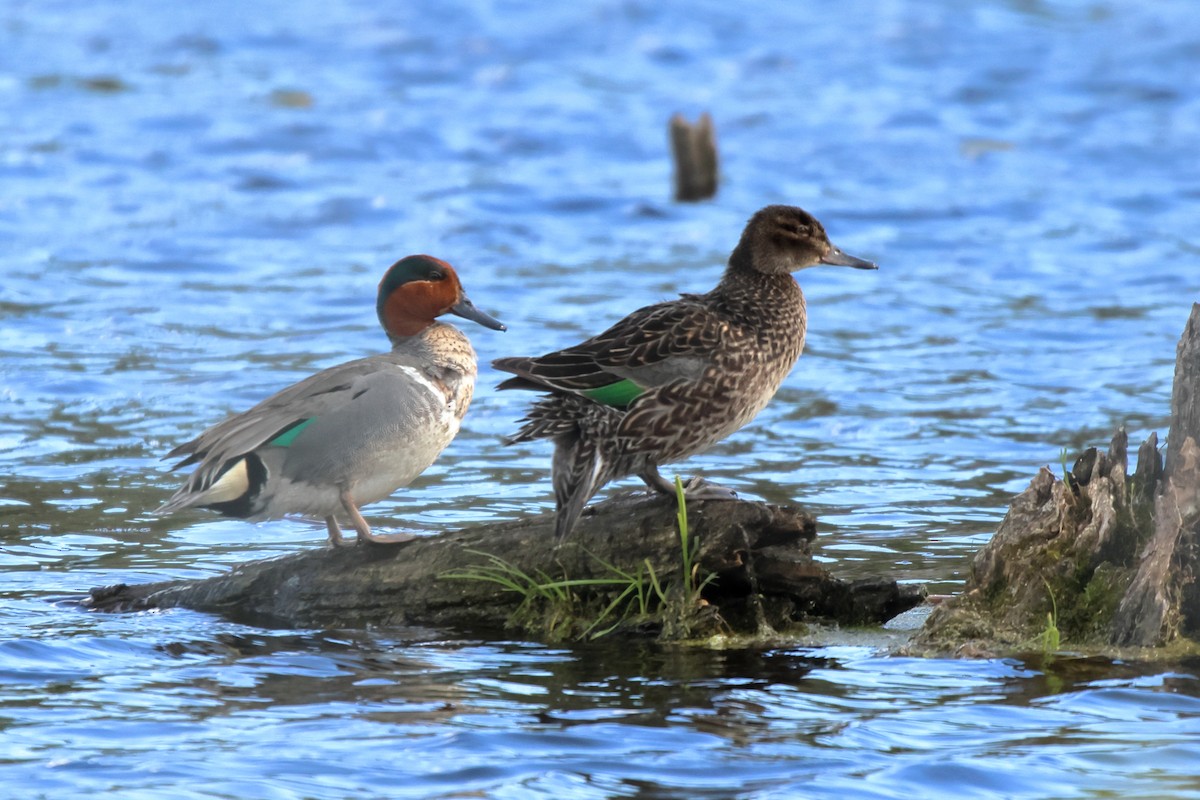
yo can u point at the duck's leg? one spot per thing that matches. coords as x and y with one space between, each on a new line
695 489
363 529
656 481
335 532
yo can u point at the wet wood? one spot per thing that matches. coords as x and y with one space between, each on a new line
1109 558
694 150
1185 392
1161 602
766 579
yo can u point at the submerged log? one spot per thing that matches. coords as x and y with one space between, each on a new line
765 577
694 150
1105 558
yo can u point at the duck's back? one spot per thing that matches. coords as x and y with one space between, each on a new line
762 323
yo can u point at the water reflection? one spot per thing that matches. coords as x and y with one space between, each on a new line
603 715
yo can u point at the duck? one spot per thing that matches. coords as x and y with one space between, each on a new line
354 433
672 379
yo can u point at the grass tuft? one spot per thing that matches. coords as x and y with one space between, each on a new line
589 608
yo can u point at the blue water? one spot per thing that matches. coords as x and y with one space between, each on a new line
197 200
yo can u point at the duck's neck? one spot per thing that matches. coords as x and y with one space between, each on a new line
742 257
769 309
440 345
759 299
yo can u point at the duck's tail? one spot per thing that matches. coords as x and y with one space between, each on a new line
557 415
229 490
579 471
585 440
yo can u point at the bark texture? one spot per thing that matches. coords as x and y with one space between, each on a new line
1185 393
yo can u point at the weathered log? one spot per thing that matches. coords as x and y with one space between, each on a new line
694 149
1106 558
765 578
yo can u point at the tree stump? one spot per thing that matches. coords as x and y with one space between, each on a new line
765 577
1107 558
1185 392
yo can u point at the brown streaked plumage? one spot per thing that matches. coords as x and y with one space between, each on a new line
671 379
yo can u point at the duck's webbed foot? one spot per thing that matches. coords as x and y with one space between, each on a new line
363 530
695 489
387 538
700 489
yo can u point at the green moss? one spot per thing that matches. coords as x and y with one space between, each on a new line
996 593
1086 619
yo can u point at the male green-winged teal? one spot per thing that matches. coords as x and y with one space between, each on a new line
671 379
351 434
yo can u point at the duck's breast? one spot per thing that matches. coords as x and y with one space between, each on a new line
394 424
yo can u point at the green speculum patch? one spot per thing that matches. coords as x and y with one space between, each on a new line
619 394
288 435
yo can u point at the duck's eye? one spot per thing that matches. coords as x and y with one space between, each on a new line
437 275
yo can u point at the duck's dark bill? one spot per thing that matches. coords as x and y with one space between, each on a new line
837 258
467 310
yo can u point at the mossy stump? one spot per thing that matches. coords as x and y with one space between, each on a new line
1107 558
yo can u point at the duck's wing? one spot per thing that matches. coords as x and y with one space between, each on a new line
285 413
651 347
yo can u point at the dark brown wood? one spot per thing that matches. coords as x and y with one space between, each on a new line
1185 393
765 579
1154 610
694 149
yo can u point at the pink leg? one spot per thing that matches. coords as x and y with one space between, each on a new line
335 532
364 530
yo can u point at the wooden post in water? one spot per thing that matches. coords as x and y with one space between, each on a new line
694 149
